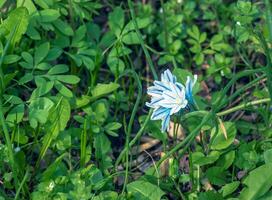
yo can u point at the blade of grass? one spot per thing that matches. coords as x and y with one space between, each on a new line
220 102
140 37
134 140
244 105
164 26
268 14
48 137
131 120
22 184
2 118
83 143
268 69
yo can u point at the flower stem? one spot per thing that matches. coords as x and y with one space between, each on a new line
242 106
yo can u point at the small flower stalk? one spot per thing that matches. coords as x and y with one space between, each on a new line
169 97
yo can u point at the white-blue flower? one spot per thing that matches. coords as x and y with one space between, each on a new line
167 98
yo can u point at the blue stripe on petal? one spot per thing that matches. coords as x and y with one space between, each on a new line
156 100
180 86
165 123
154 88
168 95
189 88
168 75
159 113
154 93
161 85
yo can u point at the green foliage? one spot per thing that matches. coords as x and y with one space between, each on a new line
73 120
144 190
16 24
258 182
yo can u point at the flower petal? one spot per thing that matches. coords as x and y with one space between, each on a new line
165 123
160 113
154 102
162 85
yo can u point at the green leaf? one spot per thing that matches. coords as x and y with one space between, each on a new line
27 57
15 115
103 89
244 6
76 59
267 196
145 190
39 110
116 65
110 128
82 101
106 195
8 59
41 52
63 27
28 4
88 62
79 35
246 156
117 20
199 58
194 32
119 51
58 69
268 156
258 182
141 22
63 90
64 139
131 38
43 66
8 77
12 99
62 41
47 15
70 79
21 137
59 117
101 109
2 2
42 89
198 158
33 33
16 24
102 147
203 37
210 195
113 126
26 65
49 172
216 175
26 78
44 3
219 141
229 188
53 54
226 160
